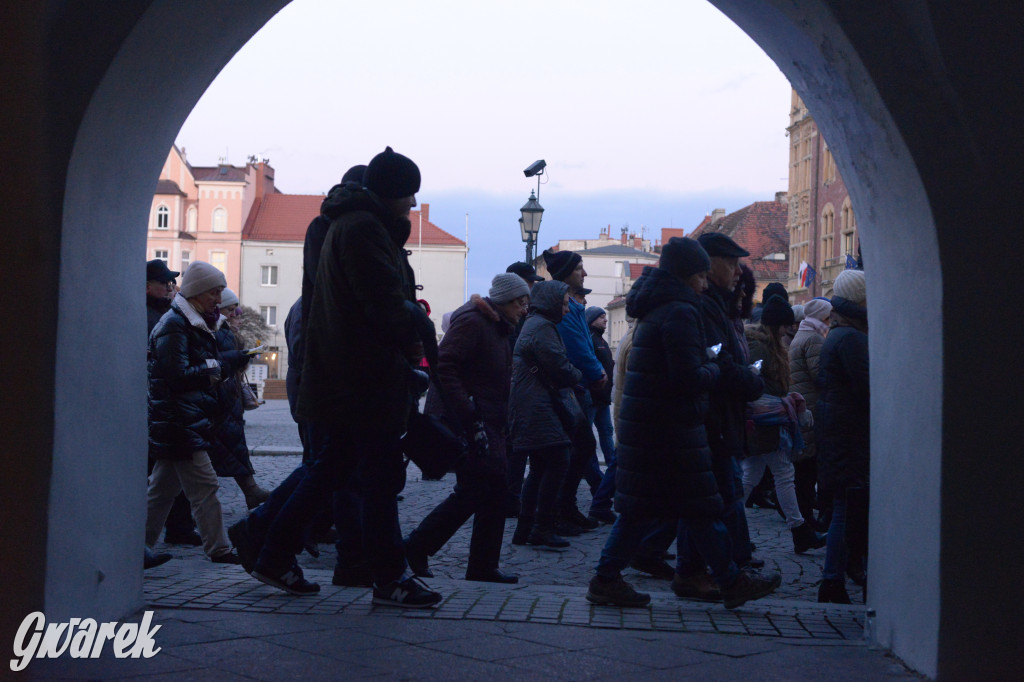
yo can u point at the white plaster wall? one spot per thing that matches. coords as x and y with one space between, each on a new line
603 277
441 271
288 259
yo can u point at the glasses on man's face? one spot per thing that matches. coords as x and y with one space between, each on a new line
169 285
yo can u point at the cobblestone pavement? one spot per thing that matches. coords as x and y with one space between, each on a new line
552 584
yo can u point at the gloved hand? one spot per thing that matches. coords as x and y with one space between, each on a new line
478 439
212 370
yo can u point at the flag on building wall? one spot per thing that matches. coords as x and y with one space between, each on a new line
851 262
806 275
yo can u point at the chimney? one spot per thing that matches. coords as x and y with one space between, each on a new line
604 232
717 214
624 237
425 211
782 197
638 243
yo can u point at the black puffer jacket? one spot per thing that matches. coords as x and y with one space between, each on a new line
355 372
230 456
474 360
663 456
842 422
184 410
540 353
155 309
727 419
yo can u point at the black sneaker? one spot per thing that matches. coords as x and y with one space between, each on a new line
545 538
576 517
291 581
605 516
247 548
616 593
749 587
227 558
410 592
657 568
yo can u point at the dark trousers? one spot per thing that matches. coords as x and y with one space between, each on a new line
708 535
540 491
805 478
478 494
584 448
376 462
734 517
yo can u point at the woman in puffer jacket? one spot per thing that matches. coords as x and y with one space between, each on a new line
766 345
231 457
804 355
844 432
184 370
540 368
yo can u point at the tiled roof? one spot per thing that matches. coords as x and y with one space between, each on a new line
432 234
616 302
168 187
285 217
218 174
760 228
617 250
637 269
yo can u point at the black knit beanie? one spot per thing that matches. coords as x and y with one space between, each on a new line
392 176
777 313
561 263
354 174
775 289
684 257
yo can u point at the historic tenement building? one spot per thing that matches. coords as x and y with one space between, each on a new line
822 224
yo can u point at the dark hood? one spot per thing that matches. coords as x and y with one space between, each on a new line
350 197
546 299
653 289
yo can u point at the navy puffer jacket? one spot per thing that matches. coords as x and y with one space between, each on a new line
664 462
842 422
231 456
539 357
184 410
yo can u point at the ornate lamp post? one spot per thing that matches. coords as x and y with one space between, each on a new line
529 224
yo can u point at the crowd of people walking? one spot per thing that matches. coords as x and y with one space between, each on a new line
698 405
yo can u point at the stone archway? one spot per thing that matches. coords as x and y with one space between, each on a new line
99 95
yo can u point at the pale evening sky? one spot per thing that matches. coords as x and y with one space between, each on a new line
651 113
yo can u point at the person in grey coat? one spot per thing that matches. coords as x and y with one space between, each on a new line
541 368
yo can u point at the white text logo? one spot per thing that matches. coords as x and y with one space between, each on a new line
82 638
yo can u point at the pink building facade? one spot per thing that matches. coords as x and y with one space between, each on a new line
198 213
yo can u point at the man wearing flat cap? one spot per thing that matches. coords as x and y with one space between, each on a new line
356 393
526 271
739 384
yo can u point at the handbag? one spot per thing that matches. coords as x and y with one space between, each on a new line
249 399
432 445
567 407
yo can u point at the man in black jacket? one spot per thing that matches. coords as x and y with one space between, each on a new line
739 384
356 390
180 527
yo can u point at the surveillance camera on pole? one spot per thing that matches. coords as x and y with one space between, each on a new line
535 168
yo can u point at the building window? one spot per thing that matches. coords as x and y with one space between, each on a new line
193 219
268 275
220 220
828 166
849 227
219 260
163 218
828 228
269 314
186 260
161 254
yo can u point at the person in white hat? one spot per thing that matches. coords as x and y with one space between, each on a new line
184 370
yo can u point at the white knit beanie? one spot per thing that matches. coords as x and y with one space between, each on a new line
507 287
818 309
228 297
851 286
201 277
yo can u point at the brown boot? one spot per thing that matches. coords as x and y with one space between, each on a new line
698 586
254 494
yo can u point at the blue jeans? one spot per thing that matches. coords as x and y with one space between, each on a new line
376 462
601 417
709 536
835 547
730 486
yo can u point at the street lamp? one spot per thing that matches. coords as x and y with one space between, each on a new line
529 224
